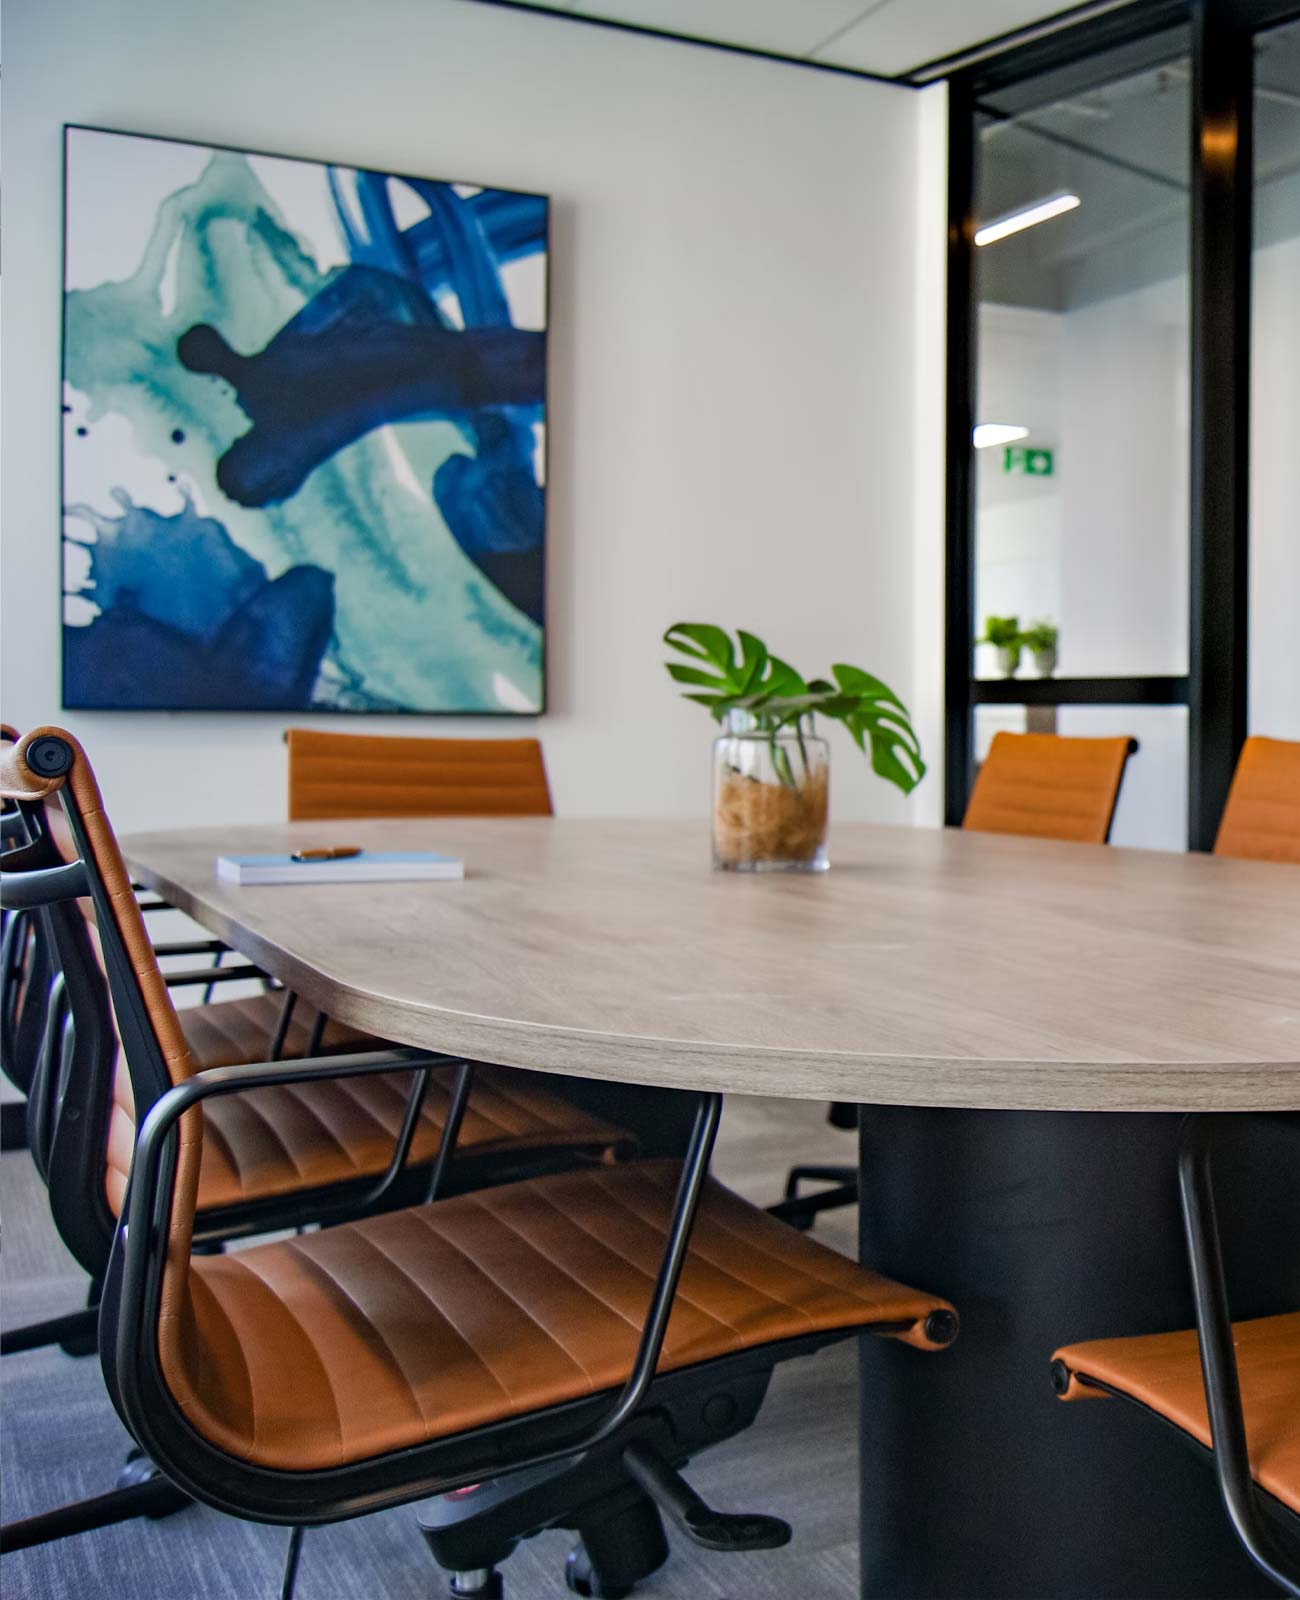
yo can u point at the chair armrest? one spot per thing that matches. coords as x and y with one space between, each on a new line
272 1074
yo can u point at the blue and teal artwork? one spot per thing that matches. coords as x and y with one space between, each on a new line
304 418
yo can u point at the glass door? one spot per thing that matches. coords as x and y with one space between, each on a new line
1081 441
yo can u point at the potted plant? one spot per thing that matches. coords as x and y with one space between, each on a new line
1041 641
1003 633
771 770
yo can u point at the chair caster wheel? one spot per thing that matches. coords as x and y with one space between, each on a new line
479 1585
138 1470
579 1577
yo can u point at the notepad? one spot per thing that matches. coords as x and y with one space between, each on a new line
371 866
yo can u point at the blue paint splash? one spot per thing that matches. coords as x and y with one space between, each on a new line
188 620
420 623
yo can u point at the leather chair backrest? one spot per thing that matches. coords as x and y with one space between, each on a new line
1261 820
1048 786
376 775
156 1051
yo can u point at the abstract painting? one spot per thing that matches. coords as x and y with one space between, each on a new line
304 434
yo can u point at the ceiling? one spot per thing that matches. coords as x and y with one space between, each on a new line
1120 140
891 38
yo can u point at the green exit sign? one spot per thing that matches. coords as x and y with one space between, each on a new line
1027 461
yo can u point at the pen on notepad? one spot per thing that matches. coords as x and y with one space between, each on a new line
338 852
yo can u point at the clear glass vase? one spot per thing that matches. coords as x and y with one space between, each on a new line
770 796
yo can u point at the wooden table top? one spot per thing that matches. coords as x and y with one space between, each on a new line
926 967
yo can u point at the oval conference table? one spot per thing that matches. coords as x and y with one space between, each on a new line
1021 1023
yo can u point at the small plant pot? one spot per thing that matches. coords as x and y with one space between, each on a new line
1008 658
1045 661
770 798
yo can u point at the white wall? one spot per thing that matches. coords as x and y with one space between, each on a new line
734 347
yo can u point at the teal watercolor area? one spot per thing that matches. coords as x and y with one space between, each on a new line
417 627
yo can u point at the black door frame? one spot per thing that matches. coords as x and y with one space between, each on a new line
1220 246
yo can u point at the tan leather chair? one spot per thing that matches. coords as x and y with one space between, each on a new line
375 775
287 1145
1231 1387
1047 786
1261 821
275 1157
597 1327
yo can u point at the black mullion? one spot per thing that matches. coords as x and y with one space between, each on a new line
1222 197
1148 691
959 625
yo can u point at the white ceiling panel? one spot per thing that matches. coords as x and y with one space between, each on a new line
902 34
789 27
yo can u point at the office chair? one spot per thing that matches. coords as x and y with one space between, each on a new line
275 1158
522 1353
272 1159
1041 785
367 775
22 984
1261 820
1232 1389
1047 786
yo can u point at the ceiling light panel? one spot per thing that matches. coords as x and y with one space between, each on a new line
781 26
903 34
987 434
1026 217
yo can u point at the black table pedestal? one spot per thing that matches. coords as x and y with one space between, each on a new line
1045 1228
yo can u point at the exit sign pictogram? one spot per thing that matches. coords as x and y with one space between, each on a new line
1029 462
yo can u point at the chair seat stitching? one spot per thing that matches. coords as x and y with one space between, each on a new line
556 1266
692 1250
718 1221
502 1289
703 1311
246 1101
305 1103
394 1360
245 1264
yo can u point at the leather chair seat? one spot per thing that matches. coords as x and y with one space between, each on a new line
338 1346
229 1033
264 1142
1162 1371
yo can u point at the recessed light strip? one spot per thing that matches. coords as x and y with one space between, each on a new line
991 433
1028 218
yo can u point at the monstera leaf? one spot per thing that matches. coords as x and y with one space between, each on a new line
744 676
733 678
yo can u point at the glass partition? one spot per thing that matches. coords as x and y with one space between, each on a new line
1274 663
1082 189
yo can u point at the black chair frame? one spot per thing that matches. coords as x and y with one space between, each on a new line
1253 1512
589 1436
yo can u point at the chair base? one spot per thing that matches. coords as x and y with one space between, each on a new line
801 1210
76 1334
13 1125
595 1495
141 1491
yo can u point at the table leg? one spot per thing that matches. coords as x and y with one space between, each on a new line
1043 1228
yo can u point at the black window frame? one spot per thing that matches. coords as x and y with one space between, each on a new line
1220 250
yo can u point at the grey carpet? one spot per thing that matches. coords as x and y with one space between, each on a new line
61 1440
